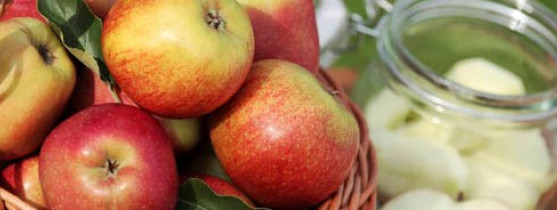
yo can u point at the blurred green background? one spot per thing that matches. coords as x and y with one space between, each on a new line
359 58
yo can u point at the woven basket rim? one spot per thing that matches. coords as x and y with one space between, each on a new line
359 189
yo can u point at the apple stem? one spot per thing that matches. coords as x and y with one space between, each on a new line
45 53
111 166
215 20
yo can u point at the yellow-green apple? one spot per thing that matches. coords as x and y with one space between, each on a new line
220 187
19 8
91 90
109 156
22 179
184 63
284 139
285 29
100 7
36 80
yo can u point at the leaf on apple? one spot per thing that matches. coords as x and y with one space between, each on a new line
80 32
195 194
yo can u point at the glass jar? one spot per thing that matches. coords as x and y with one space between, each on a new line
463 100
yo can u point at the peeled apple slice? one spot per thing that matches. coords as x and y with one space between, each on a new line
467 141
387 110
481 204
428 129
488 182
420 199
521 153
482 75
406 164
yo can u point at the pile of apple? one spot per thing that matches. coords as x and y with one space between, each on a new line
245 70
433 162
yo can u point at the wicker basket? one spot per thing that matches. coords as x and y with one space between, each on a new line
359 189
357 192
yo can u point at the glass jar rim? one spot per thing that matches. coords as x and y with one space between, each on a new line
393 52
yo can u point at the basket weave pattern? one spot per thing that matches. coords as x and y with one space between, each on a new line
359 189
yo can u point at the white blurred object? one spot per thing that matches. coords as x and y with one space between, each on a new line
332 24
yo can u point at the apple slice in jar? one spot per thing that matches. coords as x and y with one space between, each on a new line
428 128
481 204
406 164
524 154
387 110
483 75
489 182
420 199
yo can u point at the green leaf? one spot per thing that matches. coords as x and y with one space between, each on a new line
195 194
80 32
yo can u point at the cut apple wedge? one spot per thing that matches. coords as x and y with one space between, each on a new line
467 141
481 204
428 129
387 111
483 75
524 154
488 182
429 199
406 164
421 199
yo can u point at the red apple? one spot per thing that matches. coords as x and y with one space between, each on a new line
283 139
91 90
178 58
221 187
19 8
109 156
285 29
22 179
100 7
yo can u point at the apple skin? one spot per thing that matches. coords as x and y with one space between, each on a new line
285 29
100 7
33 89
91 90
19 8
179 66
109 156
284 139
22 179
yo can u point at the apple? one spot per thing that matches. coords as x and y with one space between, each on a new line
220 187
184 133
284 139
100 7
109 156
91 90
22 179
36 79
285 29
184 63
19 8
